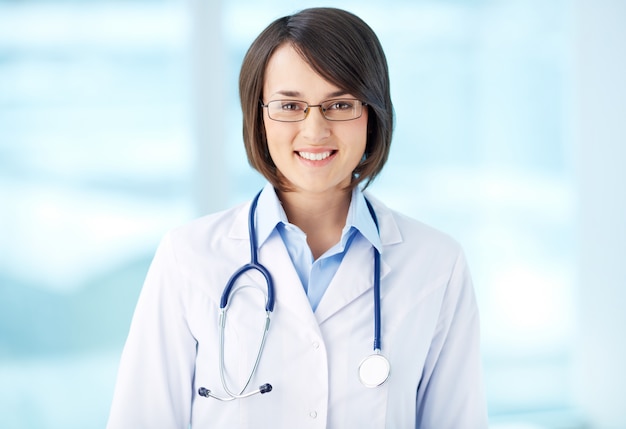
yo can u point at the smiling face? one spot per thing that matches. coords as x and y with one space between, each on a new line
314 155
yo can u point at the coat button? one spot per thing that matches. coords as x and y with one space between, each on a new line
315 345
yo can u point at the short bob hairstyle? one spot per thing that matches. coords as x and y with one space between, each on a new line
343 50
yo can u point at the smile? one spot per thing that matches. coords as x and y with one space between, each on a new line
315 156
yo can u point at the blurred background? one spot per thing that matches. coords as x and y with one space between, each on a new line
120 120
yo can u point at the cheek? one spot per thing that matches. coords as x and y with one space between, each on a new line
361 126
279 139
270 130
358 134
274 133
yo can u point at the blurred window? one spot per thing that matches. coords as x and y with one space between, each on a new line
97 161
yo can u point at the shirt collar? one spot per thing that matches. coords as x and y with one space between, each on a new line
360 218
270 212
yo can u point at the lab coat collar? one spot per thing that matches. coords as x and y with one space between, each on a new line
389 230
264 226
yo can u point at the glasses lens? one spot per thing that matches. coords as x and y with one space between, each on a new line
286 110
342 110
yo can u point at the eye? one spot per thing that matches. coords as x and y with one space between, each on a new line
291 106
341 105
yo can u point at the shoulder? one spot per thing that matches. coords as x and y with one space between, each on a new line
399 230
423 260
212 231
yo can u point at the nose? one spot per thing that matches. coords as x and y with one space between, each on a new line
315 126
312 106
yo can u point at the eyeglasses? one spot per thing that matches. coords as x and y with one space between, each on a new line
343 109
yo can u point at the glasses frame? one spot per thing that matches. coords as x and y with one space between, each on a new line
320 106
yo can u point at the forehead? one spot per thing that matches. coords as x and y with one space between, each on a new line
288 74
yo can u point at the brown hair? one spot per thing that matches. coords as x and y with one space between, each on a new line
342 49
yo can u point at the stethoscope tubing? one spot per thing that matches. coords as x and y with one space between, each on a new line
254 265
231 394
377 310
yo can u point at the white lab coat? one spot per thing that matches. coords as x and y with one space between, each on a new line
430 334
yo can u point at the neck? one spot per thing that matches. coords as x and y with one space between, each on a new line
320 216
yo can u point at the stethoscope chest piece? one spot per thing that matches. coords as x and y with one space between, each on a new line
374 370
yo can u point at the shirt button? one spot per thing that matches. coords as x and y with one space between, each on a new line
313 414
316 345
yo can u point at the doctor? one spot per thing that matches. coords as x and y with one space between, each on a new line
342 277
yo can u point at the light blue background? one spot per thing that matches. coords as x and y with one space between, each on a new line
120 120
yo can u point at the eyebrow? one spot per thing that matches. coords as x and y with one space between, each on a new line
289 93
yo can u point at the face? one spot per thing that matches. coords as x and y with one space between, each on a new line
314 155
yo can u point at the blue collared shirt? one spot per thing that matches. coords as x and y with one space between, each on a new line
315 275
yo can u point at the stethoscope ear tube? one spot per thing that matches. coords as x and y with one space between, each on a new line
269 304
252 265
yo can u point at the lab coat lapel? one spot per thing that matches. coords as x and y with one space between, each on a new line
354 277
288 289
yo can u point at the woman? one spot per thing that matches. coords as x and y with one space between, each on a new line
318 120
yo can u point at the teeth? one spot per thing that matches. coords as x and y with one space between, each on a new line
315 156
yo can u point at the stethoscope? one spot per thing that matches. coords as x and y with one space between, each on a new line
373 370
